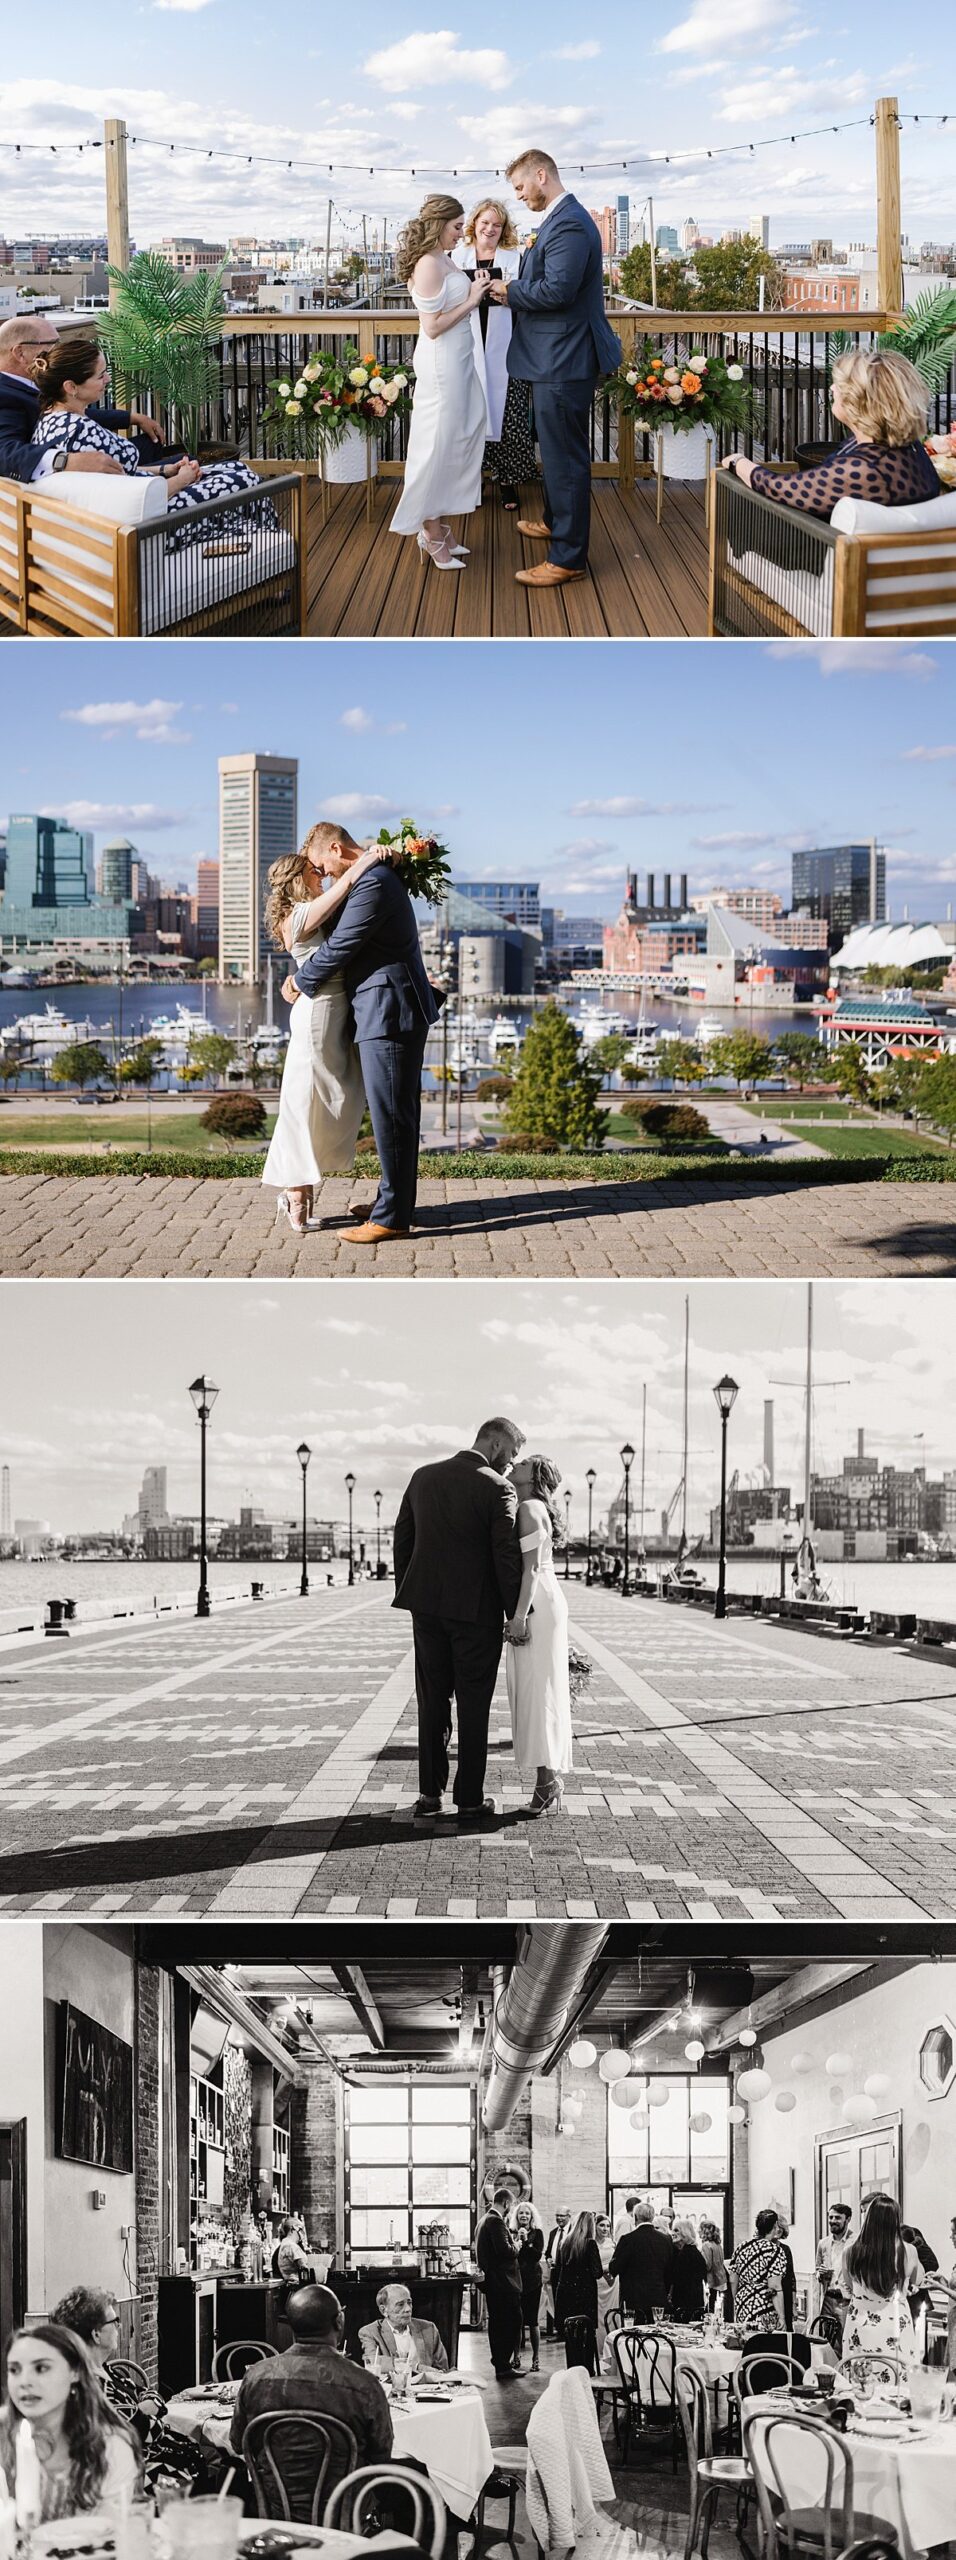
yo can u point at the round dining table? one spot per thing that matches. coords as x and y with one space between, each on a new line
449 2435
903 2472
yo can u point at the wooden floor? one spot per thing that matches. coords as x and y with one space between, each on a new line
647 581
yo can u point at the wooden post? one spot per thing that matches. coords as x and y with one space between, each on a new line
117 197
889 219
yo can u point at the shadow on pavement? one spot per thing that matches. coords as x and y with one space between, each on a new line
167 1856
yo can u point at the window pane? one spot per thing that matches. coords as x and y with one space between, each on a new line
378 2230
441 2142
387 2104
668 2131
440 2186
379 2142
437 2105
380 2186
709 2151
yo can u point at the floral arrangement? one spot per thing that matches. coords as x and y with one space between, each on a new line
700 391
332 393
423 864
581 1667
942 451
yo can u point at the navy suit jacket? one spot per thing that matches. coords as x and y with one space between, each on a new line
376 948
19 411
561 330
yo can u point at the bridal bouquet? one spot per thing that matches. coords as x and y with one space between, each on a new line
702 391
423 864
581 1667
333 392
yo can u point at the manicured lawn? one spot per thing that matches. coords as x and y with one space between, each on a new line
178 1132
867 1140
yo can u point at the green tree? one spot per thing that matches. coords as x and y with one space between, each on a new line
741 1054
934 1092
207 969
235 1115
674 285
556 1087
610 1052
850 1074
727 277
680 1060
12 1063
634 1071
212 1053
803 1059
142 1064
82 1063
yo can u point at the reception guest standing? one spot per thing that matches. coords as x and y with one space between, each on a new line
530 2240
497 2258
643 2262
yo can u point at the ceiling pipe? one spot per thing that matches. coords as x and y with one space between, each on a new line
549 1973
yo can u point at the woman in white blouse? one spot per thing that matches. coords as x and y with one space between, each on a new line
489 247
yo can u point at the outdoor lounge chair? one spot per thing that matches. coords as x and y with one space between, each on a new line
100 558
885 571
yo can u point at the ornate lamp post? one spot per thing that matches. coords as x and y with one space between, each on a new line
303 1453
725 1395
627 1461
350 1489
567 1533
203 1394
590 1481
378 1537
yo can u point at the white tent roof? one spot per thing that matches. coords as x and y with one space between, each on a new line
882 945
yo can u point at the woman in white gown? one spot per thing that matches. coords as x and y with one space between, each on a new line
449 424
538 1661
322 1096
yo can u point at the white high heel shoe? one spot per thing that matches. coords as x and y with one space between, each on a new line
433 550
284 1210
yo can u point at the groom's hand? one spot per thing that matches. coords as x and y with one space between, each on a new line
290 991
498 289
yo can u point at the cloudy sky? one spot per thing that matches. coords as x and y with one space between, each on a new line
379 1379
375 92
562 764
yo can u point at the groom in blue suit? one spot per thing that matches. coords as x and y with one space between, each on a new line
561 343
375 948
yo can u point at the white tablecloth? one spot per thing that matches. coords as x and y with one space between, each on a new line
451 2437
911 2484
204 2421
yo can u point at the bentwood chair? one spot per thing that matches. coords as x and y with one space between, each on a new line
289 2454
358 2497
792 2454
647 2366
580 2340
871 2365
708 2472
125 2384
230 2363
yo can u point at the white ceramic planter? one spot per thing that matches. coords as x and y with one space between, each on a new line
348 461
685 452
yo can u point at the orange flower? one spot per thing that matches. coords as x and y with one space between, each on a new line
656 364
690 382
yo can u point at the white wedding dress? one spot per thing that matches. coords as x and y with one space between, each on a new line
539 1676
446 439
322 1096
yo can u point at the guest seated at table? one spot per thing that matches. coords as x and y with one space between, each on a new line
756 2273
879 2314
395 2343
579 2275
884 402
290 2257
712 2252
72 383
315 2375
92 2317
86 2453
643 2261
688 2282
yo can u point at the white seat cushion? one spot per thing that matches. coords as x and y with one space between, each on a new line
929 515
801 593
101 493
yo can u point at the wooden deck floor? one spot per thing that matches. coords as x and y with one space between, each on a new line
647 581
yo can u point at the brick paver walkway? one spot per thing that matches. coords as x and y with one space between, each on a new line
264 1763
54 1227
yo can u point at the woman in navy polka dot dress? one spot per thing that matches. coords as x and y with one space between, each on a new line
72 381
883 402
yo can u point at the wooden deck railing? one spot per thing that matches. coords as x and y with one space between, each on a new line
787 359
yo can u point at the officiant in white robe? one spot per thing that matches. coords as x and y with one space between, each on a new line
490 246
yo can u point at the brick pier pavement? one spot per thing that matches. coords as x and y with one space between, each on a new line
152 1227
263 1763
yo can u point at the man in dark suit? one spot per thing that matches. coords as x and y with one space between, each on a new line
642 2263
562 343
25 341
498 2260
375 947
314 2374
458 1569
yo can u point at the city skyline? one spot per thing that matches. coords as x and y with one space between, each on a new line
620 787
439 99
386 1393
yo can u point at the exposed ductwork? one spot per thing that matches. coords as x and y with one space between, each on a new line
530 2016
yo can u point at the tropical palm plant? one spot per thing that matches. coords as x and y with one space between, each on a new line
926 334
160 336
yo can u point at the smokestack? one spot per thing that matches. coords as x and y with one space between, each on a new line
683 893
768 1439
667 888
859 1444
650 888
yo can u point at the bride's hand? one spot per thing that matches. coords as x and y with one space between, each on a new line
516 1631
374 853
481 286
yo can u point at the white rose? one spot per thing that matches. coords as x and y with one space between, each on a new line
389 392
698 364
293 408
312 372
630 377
400 381
359 376
672 373
376 383
285 389
301 390
675 394
735 373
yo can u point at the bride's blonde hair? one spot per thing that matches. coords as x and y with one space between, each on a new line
424 233
288 887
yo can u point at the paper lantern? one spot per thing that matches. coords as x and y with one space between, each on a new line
737 2115
753 2085
613 2064
658 2093
785 2102
626 2093
856 2109
878 2084
567 2131
747 2036
800 2064
639 2118
837 2064
573 2107
694 2051
701 2122
582 2054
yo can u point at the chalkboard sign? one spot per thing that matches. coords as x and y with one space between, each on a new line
94 2092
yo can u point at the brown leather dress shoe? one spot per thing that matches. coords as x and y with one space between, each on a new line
371 1234
547 574
533 529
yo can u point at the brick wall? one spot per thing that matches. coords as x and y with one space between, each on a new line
314 2121
147 2070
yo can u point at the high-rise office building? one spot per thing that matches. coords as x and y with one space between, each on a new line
623 225
258 823
152 1505
844 884
667 239
48 893
116 868
517 900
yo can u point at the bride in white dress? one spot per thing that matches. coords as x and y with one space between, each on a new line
449 424
538 1660
322 1096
